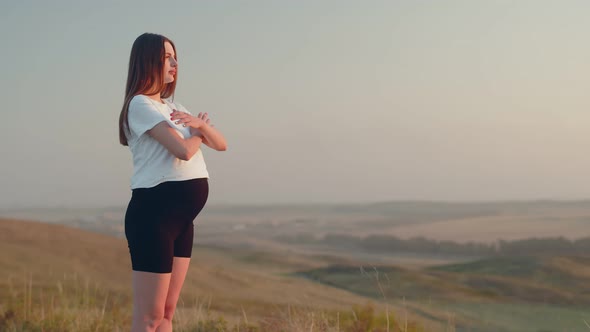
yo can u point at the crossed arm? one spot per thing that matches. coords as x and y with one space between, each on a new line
185 148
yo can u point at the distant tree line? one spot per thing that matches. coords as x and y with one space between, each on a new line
421 245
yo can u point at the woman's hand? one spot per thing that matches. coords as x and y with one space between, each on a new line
187 120
200 126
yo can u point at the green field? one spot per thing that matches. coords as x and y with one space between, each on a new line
499 294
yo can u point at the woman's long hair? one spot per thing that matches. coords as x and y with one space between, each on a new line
145 76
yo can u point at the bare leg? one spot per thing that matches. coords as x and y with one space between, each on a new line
179 270
149 298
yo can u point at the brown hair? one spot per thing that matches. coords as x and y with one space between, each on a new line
145 76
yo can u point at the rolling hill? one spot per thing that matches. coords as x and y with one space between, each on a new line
60 277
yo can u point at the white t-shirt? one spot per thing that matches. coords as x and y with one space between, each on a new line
152 162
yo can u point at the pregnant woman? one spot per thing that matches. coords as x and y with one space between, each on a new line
169 182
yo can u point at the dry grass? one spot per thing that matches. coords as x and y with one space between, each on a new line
55 278
78 305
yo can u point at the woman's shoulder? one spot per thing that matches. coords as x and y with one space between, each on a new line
139 99
142 102
142 109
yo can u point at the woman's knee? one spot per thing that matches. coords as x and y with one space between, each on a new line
153 318
169 311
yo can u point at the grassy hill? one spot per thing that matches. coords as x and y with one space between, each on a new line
56 278
499 294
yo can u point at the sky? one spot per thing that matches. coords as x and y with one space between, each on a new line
320 101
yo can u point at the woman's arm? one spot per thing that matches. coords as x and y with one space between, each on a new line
181 148
211 136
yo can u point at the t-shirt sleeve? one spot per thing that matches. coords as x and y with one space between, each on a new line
143 116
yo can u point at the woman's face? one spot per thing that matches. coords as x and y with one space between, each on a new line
170 64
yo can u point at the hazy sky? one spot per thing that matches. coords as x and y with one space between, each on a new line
320 101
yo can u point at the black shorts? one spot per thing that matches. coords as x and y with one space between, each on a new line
159 223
